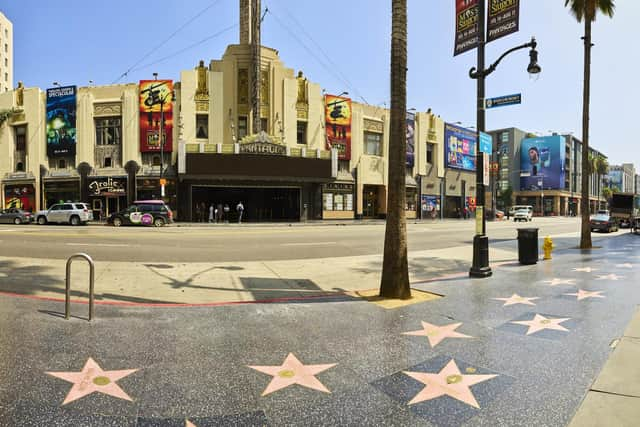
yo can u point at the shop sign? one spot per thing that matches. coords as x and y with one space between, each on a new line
108 185
348 187
263 148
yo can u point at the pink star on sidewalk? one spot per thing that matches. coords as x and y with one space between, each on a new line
614 277
581 294
555 282
436 334
450 382
292 371
189 424
93 379
586 269
517 299
540 322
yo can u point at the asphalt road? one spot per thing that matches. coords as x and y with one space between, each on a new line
228 242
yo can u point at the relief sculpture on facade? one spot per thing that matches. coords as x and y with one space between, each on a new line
243 86
202 88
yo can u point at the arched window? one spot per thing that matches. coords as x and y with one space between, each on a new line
62 164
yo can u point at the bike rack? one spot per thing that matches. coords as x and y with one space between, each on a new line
67 302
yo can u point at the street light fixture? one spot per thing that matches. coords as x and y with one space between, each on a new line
480 267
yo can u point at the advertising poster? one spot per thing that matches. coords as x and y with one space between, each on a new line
466 26
542 163
460 147
19 197
411 147
615 181
61 121
503 18
338 125
156 101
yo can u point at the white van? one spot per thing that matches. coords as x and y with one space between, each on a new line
521 212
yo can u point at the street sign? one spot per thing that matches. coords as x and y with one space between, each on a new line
486 143
502 101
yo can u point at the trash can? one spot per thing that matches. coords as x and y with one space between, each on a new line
528 245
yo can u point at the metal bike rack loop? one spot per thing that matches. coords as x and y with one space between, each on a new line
67 302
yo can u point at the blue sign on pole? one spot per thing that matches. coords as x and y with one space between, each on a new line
502 101
486 143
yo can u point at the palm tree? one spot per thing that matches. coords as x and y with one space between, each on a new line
586 10
601 168
395 269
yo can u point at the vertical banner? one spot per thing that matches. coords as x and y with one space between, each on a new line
467 36
156 102
503 18
338 125
542 163
61 121
411 146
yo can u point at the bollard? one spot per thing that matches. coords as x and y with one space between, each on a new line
547 247
67 301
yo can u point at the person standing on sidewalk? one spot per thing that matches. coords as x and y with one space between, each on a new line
226 213
211 209
240 210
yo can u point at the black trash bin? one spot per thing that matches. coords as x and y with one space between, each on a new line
528 245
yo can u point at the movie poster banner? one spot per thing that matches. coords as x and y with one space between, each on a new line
61 121
338 125
460 147
467 35
503 18
156 101
542 163
411 146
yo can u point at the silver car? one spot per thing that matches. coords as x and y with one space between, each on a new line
71 213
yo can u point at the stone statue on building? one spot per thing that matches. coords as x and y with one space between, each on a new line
20 94
302 88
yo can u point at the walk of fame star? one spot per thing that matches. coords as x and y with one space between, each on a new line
625 265
93 379
292 371
613 277
586 269
555 282
435 334
539 323
517 299
582 294
448 382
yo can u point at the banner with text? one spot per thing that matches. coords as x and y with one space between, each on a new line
411 145
61 121
503 18
460 147
338 125
156 111
542 163
467 36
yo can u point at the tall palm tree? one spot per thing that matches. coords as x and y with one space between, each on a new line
586 10
601 168
395 268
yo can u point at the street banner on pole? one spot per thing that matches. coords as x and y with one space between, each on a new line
467 36
486 143
503 18
411 148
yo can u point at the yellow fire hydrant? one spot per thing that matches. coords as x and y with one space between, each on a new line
547 247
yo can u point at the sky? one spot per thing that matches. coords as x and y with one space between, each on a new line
343 45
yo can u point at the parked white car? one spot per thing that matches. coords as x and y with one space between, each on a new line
72 213
523 215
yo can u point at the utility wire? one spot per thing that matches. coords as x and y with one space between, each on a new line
215 2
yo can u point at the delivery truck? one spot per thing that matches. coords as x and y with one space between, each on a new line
625 207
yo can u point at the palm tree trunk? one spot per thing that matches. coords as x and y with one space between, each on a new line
395 271
585 235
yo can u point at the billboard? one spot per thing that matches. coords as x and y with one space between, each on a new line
615 180
460 147
411 142
156 95
338 125
467 35
542 163
503 18
61 121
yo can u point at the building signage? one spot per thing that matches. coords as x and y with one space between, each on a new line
107 185
460 147
411 148
61 121
19 197
263 148
486 143
542 163
503 18
156 111
502 101
467 34
338 125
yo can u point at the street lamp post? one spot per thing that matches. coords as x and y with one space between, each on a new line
480 267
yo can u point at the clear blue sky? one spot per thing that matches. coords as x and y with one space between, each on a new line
347 48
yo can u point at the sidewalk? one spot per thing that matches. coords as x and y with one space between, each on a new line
614 397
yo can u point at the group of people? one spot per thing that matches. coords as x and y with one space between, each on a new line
217 213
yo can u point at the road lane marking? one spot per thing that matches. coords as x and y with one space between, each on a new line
309 244
110 245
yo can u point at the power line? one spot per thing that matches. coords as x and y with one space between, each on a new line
166 40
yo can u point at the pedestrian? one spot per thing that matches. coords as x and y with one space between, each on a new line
240 210
211 209
219 213
226 212
465 213
198 213
203 208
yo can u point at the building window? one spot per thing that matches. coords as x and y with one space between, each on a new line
20 167
202 126
373 143
62 164
301 135
242 127
505 137
6 47
264 125
107 162
337 201
21 138
343 166
108 131
156 161
429 153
